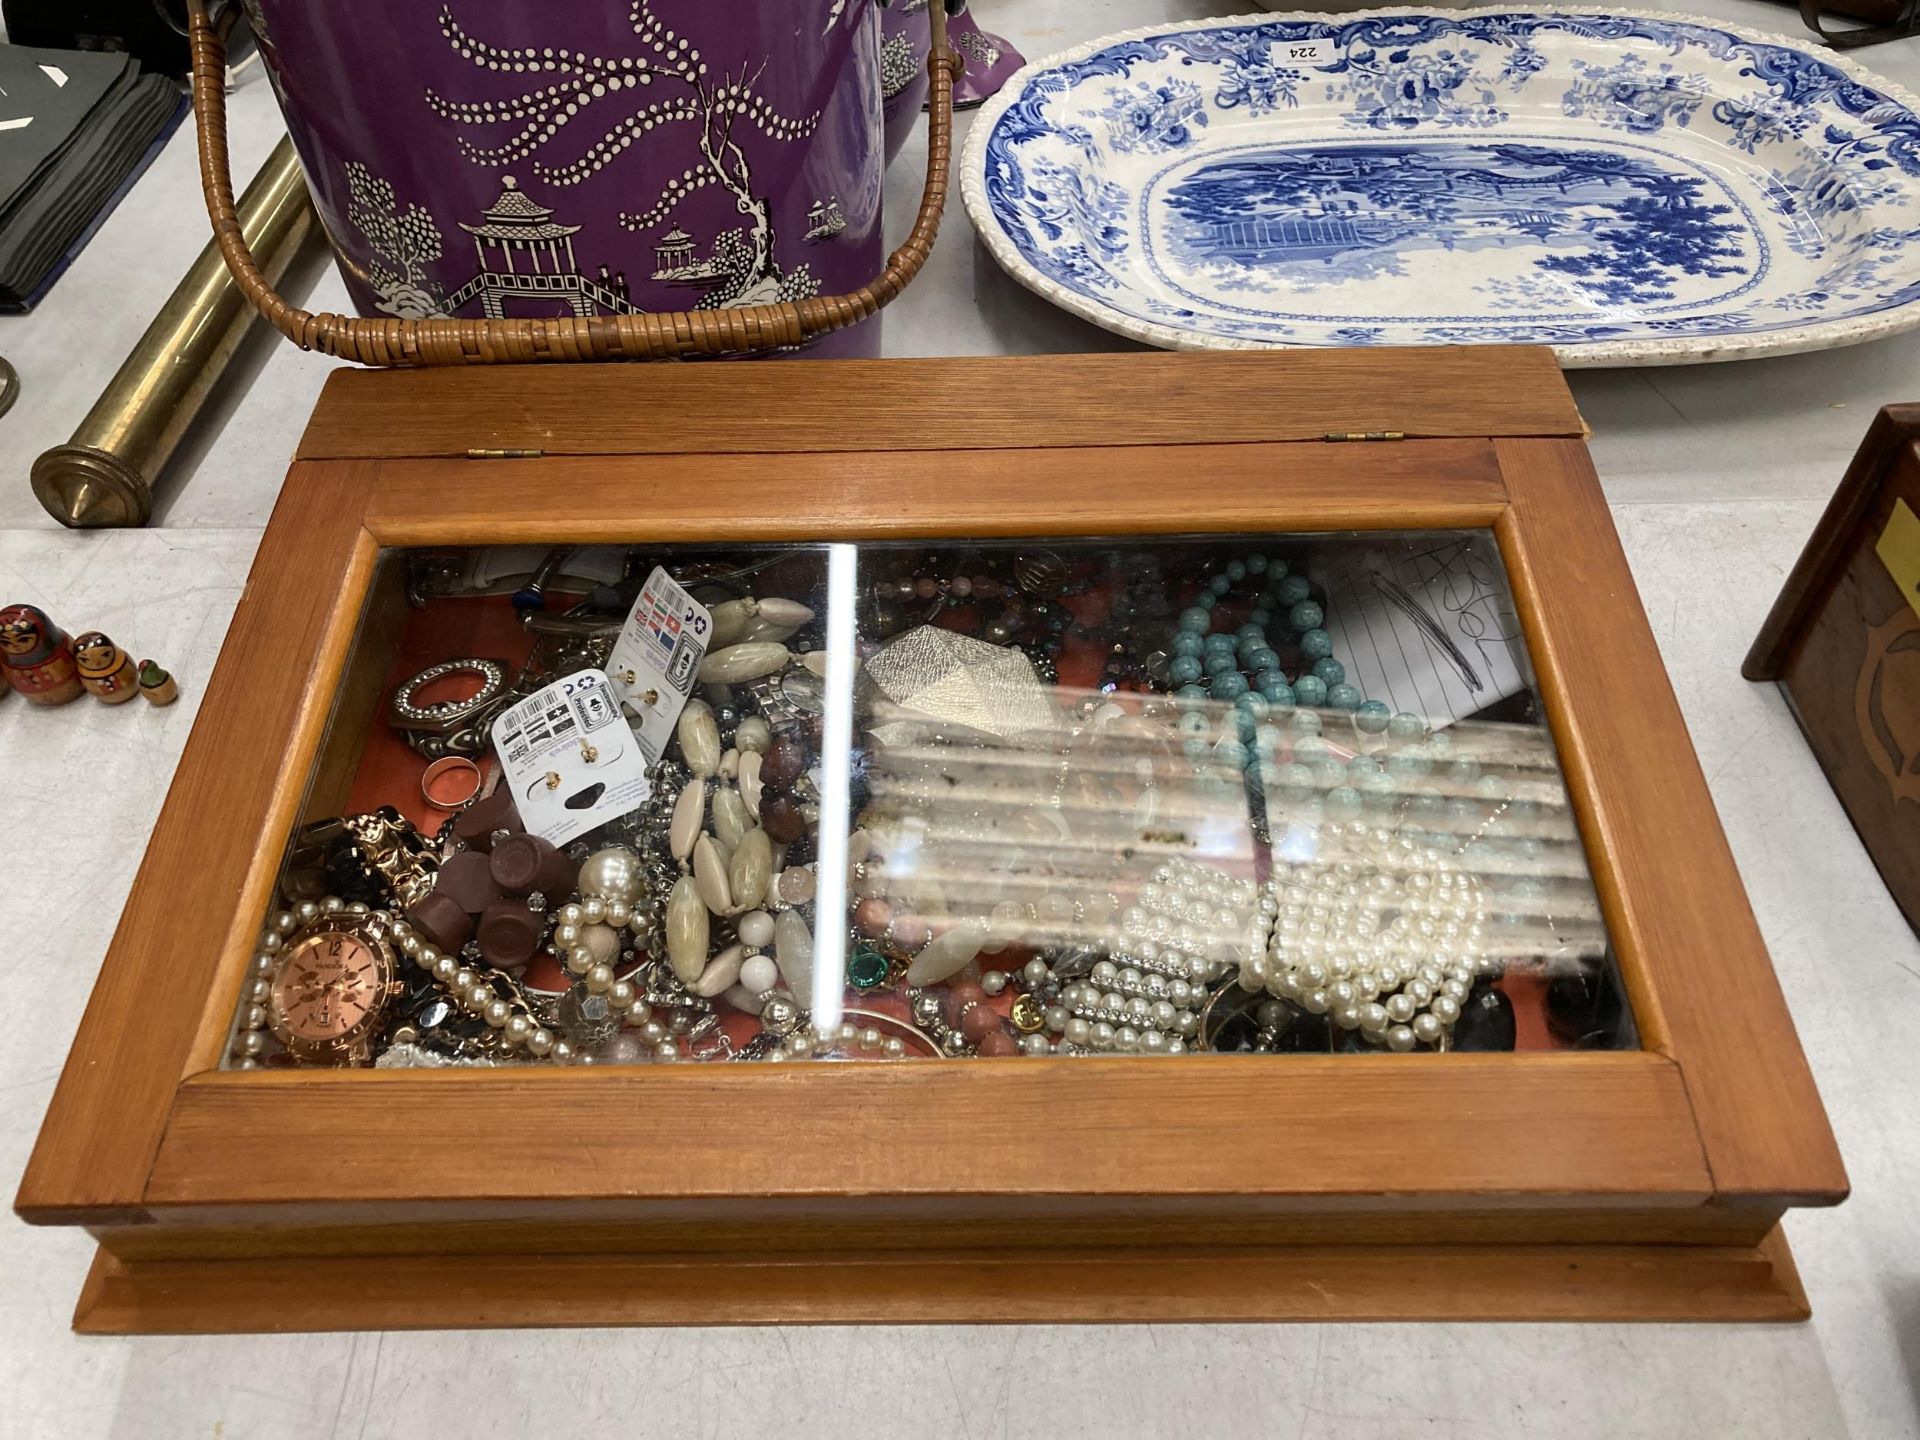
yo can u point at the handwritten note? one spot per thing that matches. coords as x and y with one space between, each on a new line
1431 630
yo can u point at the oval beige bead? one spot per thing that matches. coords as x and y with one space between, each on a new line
710 876
730 817
762 630
752 867
778 619
730 620
753 736
721 972
816 661
689 814
793 953
699 738
687 930
779 610
742 662
947 954
751 785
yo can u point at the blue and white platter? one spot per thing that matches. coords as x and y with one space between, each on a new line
1631 188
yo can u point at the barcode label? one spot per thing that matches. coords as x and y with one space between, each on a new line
534 725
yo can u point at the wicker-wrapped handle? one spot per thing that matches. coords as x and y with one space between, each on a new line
663 335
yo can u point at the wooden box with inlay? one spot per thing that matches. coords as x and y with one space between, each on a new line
1843 641
1623 1146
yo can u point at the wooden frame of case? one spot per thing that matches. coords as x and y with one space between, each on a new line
1645 1184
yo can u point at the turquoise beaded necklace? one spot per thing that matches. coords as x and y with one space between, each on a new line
1234 666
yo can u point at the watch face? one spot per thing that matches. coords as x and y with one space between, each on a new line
329 984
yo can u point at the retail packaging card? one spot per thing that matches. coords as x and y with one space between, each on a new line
654 660
571 760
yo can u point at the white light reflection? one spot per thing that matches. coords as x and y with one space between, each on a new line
836 744
1297 843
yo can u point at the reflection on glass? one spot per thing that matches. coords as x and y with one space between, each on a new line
1155 797
1369 880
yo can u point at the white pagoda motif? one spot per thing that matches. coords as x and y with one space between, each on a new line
525 254
825 220
674 261
675 250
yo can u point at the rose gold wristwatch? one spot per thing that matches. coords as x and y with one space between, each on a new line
331 988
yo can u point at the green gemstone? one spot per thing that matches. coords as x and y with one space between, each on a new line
866 968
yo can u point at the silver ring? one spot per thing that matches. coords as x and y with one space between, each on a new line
444 714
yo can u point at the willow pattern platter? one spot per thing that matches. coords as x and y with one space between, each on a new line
1630 188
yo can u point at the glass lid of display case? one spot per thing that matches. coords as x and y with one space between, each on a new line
1161 796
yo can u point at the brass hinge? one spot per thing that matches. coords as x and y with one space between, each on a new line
1345 435
479 454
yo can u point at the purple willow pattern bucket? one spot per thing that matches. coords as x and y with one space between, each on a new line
907 37
904 41
590 157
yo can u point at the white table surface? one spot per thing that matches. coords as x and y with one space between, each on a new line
1716 475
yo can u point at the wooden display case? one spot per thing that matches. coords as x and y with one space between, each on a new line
1558 1184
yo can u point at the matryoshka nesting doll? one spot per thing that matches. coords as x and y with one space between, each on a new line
38 656
105 669
157 687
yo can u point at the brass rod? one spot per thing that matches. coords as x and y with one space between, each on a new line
107 473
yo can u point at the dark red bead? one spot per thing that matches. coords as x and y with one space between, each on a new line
782 820
784 763
467 880
525 863
442 920
479 820
509 933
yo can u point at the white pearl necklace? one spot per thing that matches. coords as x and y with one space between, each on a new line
1146 999
1378 932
